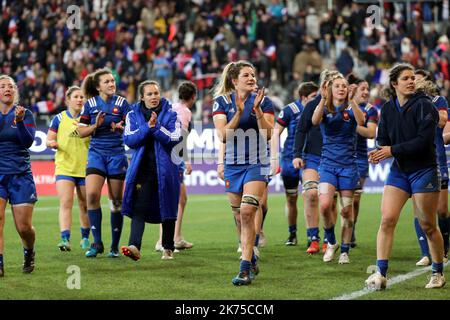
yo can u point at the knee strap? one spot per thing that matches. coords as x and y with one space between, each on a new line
236 209
292 192
309 185
346 201
250 200
323 188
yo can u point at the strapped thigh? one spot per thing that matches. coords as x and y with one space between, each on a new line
310 185
250 200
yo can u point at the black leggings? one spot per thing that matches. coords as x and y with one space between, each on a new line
137 231
168 231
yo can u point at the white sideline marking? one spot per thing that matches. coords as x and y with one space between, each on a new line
390 282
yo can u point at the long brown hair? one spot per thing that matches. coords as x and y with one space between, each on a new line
329 104
91 82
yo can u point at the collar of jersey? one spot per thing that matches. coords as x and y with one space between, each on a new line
68 114
10 110
233 97
108 100
340 108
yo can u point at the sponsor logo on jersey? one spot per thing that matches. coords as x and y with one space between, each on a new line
74 134
345 116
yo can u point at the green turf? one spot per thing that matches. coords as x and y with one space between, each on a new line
205 272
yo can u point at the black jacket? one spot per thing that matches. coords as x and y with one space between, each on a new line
410 132
308 138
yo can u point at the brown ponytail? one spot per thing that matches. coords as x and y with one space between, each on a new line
91 82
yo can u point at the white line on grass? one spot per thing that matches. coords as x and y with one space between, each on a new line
390 282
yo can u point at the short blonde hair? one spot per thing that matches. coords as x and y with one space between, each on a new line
16 90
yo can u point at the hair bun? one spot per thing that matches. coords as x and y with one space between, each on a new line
351 78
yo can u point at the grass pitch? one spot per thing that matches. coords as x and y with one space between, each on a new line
205 271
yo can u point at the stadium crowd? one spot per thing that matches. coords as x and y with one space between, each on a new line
288 42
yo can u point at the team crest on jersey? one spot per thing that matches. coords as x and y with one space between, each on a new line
227 184
14 124
345 116
115 110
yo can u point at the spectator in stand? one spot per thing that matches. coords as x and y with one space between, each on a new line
162 68
344 63
308 56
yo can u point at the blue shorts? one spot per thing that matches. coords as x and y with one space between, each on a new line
236 176
421 181
181 168
291 176
443 170
363 167
18 188
311 161
107 166
341 178
78 181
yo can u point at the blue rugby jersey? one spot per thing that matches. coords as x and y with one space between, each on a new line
308 138
251 148
371 115
288 118
103 139
15 139
441 104
339 144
